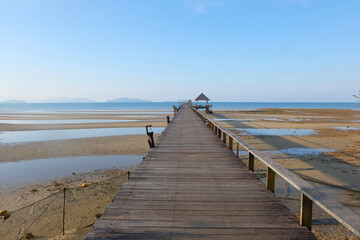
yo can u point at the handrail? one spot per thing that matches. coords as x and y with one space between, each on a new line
309 193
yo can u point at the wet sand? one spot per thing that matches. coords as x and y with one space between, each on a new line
37 207
336 171
112 145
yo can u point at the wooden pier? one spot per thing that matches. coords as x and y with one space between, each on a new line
192 186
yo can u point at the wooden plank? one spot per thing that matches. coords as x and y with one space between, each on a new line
270 179
306 212
192 186
344 215
251 162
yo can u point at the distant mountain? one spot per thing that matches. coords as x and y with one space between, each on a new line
119 100
14 101
68 100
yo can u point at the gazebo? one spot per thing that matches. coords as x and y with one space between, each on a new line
207 107
202 97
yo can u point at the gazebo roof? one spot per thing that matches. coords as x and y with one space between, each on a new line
202 97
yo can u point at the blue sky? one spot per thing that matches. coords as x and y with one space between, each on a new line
232 50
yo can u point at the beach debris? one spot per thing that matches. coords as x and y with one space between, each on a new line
6 216
28 236
84 185
56 184
98 215
3 212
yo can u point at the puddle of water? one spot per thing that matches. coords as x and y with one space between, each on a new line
346 128
123 112
298 119
276 132
27 116
45 169
232 119
48 135
295 120
291 151
305 151
268 119
274 119
65 121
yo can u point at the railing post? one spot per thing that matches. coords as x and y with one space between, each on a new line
216 130
63 213
251 161
270 179
306 211
237 149
219 133
224 137
230 143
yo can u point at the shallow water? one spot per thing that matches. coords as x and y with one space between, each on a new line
123 112
276 132
48 135
346 128
232 119
291 151
66 121
50 168
298 119
274 119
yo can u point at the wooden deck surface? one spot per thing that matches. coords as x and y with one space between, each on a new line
190 186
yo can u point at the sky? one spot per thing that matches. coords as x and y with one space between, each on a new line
159 50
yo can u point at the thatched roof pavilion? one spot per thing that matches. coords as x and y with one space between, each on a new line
202 97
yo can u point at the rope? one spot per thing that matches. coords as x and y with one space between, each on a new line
36 217
60 191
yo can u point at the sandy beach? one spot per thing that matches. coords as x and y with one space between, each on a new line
335 169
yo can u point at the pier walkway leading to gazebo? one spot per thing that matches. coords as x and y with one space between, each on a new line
191 186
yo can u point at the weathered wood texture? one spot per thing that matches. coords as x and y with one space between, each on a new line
344 215
191 186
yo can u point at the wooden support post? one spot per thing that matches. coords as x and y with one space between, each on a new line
216 130
306 211
224 137
237 149
230 143
63 216
270 179
219 133
168 119
128 175
251 161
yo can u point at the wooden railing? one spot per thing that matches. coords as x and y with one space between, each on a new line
309 193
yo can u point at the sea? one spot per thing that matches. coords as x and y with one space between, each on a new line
140 106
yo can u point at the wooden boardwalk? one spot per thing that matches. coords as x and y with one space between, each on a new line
191 186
